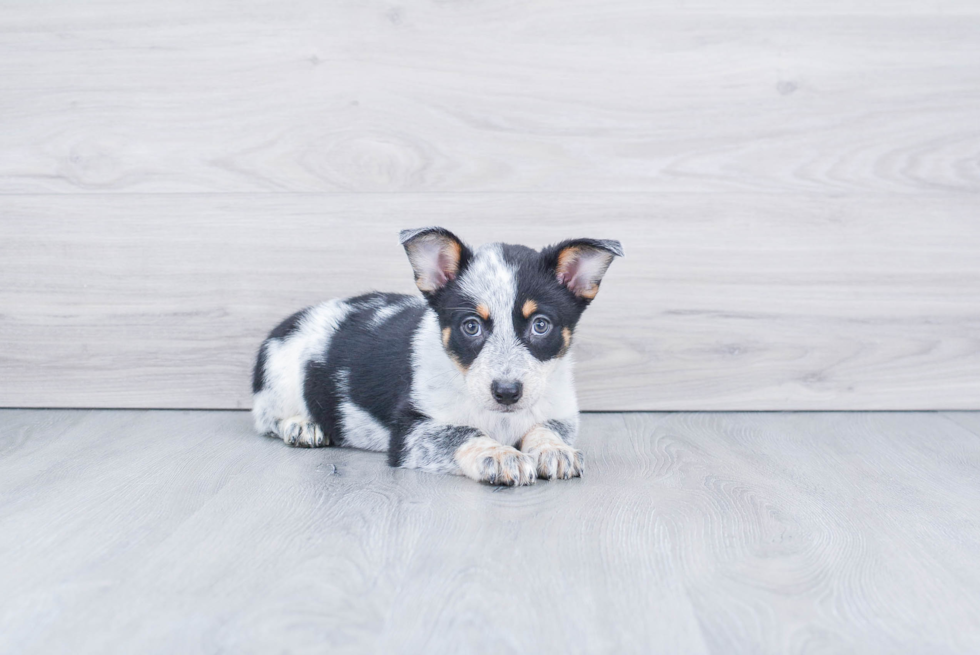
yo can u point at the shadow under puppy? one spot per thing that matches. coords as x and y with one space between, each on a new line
474 378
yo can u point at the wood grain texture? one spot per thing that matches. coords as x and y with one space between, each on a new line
495 95
796 184
137 531
161 301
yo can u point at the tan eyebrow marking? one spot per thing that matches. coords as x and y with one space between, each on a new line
529 308
446 333
483 311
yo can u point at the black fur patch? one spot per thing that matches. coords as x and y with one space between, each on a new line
258 372
454 308
376 359
408 418
537 281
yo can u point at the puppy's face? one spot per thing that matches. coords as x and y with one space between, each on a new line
507 313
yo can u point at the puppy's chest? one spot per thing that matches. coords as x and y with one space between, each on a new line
448 403
508 429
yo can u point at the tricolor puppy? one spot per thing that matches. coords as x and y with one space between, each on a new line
475 378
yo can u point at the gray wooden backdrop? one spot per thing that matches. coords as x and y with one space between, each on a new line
797 186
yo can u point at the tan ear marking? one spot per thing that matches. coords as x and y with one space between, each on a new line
457 253
435 255
529 308
483 311
565 261
565 258
580 267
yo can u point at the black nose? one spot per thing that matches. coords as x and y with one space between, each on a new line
506 393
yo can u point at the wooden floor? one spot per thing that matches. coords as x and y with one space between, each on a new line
182 532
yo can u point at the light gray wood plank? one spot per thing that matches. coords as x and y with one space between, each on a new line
967 420
764 303
137 531
110 96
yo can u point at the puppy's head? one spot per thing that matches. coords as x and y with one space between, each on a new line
507 313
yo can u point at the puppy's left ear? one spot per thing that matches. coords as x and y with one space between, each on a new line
579 264
437 256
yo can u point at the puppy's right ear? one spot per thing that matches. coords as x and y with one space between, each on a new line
437 256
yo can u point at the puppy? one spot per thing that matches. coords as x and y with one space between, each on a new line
474 378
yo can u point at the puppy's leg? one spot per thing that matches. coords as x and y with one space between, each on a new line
553 457
301 431
463 451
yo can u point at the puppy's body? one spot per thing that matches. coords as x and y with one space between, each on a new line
454 382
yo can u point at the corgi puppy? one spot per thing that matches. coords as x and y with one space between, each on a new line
472 378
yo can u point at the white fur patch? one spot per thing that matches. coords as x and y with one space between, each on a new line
285 365
490 280
359 428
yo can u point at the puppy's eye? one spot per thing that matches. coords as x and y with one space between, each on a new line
540 326
471 327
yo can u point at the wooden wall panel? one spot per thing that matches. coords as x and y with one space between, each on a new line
489 96
796 184
754 302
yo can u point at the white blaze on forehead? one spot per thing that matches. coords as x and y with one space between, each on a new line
490 280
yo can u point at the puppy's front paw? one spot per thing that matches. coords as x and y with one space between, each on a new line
554 458
297 431
562 462
508 467
486 460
